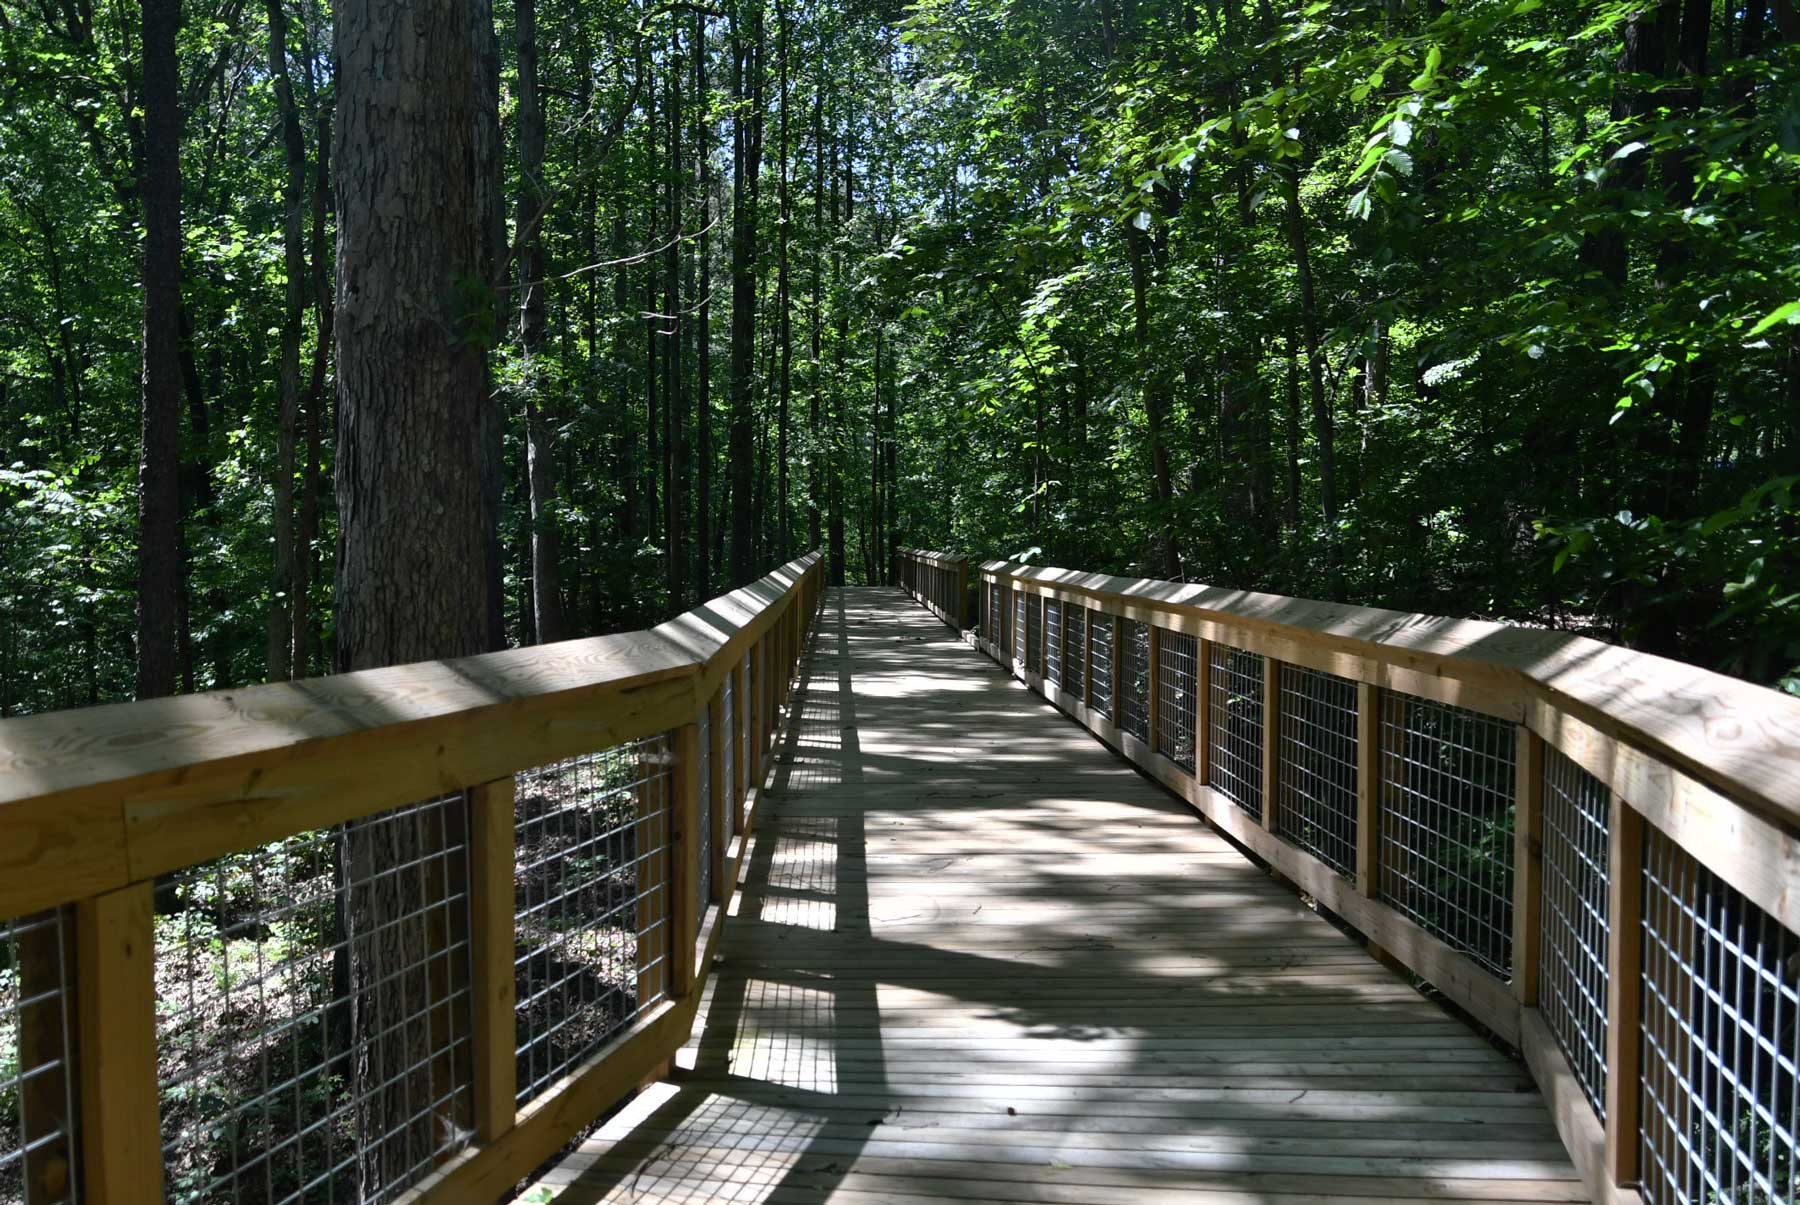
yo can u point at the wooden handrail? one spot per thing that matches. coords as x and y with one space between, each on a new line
1709 761
940 581
96 804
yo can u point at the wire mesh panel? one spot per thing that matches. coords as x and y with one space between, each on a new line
313 1012
994 611
37 1084
592 903
1235 724
1177 682
1075 617
1100 654
1053 640
1447 823
704 883
1019 627
1572 920
1721 1039
1134 678
1315 803
1034 633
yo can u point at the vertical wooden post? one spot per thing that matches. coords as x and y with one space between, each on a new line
1624 987
1528 863
1368 787
1202 711
684 877
962 593
719 790
1271 747
492 949
1153 690
740 748
121 1142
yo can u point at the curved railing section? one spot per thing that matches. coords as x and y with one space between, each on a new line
396 933
1591 851
940 582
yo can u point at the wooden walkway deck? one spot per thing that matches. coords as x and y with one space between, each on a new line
979 958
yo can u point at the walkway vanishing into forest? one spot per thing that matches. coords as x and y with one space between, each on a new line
976 956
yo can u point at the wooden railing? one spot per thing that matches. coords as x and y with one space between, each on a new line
940 581
393 934
1591 851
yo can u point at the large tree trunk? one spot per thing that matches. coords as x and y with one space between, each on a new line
746 86
293 187
540 463
159 463
410 580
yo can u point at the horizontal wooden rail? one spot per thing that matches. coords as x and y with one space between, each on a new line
1399 770
99 806
940 581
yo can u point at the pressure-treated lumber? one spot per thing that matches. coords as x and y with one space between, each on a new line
976 958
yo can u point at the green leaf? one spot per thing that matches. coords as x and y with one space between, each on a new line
1789 313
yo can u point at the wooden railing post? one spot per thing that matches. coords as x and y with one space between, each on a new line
718 790
1271 746
740 748
1528 863
115 985
492 949
1624 994
684 873
1368 785
962 593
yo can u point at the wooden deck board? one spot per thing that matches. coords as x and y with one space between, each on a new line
977 958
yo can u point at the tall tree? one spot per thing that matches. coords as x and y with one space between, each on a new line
747 135
159 457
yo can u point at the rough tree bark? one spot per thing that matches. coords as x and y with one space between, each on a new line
410 582
159 459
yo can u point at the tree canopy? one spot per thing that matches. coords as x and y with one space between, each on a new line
1488 309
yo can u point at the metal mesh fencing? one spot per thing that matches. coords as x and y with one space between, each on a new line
1100 653
592 903
1446 807
1134 678
1573 920
313 1012
746 712
1019 627
1315 802
38 1160
1053 640
1075 622
1721 1040
1177 701
994 613
1034 632
1235 721
704 883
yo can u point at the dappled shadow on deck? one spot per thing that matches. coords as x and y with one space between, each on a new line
978 957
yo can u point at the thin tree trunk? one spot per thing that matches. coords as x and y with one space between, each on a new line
490 216
1315 368
675 482
783 539
540 464
746 72
287 580
159 463
703 333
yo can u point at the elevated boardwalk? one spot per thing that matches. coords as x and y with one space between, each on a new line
978 957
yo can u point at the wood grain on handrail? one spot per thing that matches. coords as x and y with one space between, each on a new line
94 798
